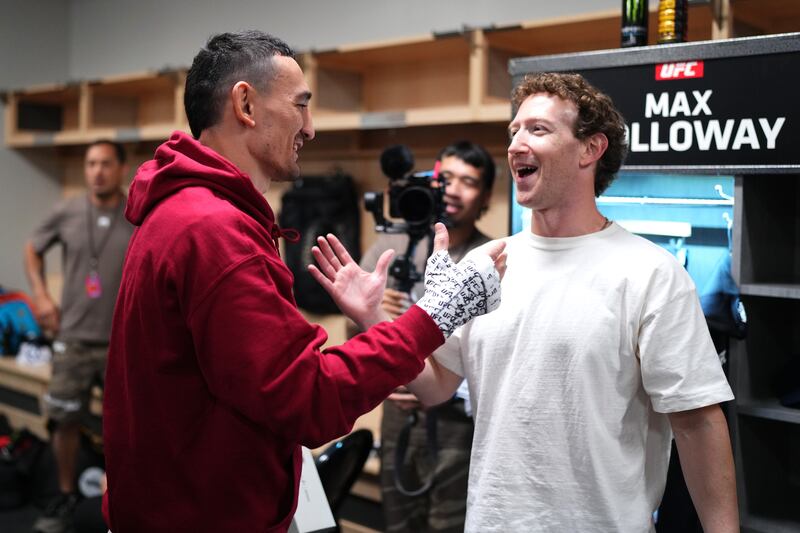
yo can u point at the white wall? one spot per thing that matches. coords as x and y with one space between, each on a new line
120 36
34 49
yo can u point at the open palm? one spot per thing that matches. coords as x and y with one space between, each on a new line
356 292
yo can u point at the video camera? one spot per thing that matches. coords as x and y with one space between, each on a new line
415 197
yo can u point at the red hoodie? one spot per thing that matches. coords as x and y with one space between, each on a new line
214 377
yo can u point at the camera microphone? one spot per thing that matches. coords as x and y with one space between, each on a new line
397 161
415 197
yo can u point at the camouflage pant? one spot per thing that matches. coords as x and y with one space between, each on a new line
443 507
77 366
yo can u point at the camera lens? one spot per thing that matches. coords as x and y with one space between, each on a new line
415 205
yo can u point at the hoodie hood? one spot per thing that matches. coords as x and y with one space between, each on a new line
183 162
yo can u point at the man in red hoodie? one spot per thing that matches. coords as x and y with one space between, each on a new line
214 377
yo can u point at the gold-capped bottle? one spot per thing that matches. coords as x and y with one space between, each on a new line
672 21
634 23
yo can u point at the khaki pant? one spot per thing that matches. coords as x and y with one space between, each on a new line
77 366
443 507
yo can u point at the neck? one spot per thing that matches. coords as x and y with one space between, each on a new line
108 201
231 147
573 214
553 223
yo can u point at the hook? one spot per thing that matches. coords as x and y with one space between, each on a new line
718 188
728 219
729 232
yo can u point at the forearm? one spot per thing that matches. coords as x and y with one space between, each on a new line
701 436
435 384
366 321
34 270
393 305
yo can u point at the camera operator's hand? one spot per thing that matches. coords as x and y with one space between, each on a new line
455 294
356 292
395 302
48 314
404 399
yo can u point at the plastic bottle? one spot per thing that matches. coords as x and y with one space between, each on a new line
672 21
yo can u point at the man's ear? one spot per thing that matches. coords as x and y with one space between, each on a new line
242 95
593 149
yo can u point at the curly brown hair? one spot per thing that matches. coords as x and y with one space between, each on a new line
596 114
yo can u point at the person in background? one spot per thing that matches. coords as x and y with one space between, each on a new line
215 379
429 491
598 354
94 235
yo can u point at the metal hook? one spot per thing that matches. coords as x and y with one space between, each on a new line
728 219
718 188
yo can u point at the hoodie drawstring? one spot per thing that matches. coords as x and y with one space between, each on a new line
290 234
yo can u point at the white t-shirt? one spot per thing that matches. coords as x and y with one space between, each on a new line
596 337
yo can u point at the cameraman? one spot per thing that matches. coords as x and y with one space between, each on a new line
438 450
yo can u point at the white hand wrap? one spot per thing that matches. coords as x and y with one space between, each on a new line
455 294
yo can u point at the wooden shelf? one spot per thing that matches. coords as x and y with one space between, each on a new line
758 17
767 472
426 72
135 103
23 388
772 290
760 524
428 80
770 410
139 107
35 116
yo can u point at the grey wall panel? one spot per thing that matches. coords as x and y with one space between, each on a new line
34 49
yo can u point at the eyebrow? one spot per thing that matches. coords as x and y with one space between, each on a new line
528 120
459 176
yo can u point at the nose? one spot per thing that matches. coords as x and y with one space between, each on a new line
308 128
453 187
516 145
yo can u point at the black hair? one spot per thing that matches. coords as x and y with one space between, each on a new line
475 155
226 59
119 150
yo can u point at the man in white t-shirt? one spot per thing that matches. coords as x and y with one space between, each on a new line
598 354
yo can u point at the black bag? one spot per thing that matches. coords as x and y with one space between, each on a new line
317 206
19 456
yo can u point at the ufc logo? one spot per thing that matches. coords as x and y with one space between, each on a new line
679 71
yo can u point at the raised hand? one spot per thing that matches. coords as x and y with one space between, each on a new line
356 292
405 400
494 249
395 302
455 294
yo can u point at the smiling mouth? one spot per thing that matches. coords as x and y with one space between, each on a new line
524 172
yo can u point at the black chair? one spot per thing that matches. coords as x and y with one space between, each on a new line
340 464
